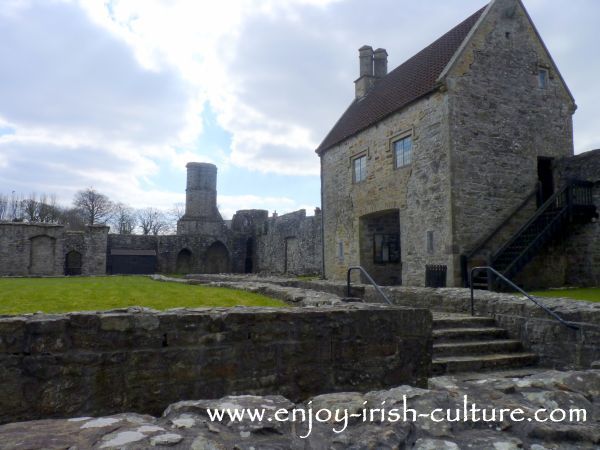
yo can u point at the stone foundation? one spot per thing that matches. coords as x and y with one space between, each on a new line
142 360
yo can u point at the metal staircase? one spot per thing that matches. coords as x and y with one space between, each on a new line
552 220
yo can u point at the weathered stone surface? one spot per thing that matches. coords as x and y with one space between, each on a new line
39 249
577 390
142 360
556 345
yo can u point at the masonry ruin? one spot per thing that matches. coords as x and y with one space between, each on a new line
252 242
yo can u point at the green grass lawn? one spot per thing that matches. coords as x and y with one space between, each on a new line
54 295
589 294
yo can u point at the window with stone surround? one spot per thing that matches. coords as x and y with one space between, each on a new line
359 168
402 151
543 78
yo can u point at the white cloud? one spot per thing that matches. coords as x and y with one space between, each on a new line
108 92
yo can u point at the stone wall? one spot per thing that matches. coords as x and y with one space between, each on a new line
100 363
556 345
419 191
501 121
39 249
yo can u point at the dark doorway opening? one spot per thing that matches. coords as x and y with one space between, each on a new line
545 179
217 258
184 261
73 262
249 262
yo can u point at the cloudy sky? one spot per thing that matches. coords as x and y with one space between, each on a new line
120 94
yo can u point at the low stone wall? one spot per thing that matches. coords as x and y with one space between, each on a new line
557 346
89 363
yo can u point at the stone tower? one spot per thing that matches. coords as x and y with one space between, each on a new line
201 213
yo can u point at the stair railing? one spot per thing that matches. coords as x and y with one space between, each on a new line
558 199
570 325
368 277
464 259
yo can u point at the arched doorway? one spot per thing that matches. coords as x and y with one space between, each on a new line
217 258
184 261
249 263
73 262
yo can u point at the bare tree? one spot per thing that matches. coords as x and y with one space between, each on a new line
3 207
152 221
30 208
72 218
15 207
124 219
177 211
48 211
96 207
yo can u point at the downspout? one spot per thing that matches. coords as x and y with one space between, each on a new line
322 221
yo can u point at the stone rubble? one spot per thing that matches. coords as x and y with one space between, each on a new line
185 425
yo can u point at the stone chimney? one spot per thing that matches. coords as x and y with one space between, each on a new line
366 79
380 63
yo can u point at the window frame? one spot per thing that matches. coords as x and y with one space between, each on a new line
546 78
402 138
363 170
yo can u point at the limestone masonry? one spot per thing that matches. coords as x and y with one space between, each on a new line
444 162
252 242
63 365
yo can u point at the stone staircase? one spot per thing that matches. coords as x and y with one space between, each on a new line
464 343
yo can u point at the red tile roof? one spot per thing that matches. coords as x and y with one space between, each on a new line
408 82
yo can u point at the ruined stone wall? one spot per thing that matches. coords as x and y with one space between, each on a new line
501 122
291 244
39 249
92 245
168 247
420 191
100 363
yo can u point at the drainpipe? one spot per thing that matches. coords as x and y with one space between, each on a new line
322 222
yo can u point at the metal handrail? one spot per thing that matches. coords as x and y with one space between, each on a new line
570 325
541 210
371 280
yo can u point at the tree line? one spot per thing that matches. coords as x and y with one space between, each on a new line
89 207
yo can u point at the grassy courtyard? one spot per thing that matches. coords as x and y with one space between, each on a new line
588 294
55 295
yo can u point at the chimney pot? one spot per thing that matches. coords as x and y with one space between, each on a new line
380 63
365 57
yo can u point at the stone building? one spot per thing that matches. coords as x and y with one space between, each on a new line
452 160
253 242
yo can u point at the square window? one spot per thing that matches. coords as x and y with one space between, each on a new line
359 166
386 248
403 152
543 78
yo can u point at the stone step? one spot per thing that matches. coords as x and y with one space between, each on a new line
496 361
448 322
468 334
475 348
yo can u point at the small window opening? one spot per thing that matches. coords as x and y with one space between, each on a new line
543 78
403 152
360 168
386 248
340 253
430 242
